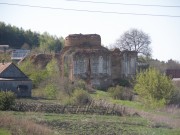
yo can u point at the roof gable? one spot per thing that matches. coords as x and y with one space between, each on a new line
10 70
3 66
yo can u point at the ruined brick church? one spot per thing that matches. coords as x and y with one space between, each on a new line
83 57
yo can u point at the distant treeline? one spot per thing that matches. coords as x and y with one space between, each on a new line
160 65
18 38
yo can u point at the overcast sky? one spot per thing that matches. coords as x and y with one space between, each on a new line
164 31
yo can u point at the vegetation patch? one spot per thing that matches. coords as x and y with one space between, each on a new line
4 131
154 89
7 100
108 125
22 126
98 124
175 99
81 97
122 93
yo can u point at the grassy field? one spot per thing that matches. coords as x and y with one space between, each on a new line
4 132
21 125
79 124
106 96
146 121
169 115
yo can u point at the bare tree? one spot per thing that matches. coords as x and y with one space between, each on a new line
135 40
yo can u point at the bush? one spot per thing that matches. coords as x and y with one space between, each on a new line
51 91
175 99
35 74
70 87
7 100
153 88
80 84
122 93
122 82
75 92
52 68
38 76
81 97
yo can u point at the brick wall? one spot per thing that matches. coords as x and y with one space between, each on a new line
80 39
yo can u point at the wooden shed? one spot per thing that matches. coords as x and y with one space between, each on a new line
13 79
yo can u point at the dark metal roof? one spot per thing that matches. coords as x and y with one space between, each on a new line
4 66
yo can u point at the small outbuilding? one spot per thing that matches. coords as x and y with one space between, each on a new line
13 79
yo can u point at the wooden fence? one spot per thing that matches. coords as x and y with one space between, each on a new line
95 107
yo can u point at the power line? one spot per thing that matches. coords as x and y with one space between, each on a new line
84 10
125 4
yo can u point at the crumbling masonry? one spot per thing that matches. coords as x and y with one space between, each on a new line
83 57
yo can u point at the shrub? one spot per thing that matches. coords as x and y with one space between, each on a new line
52 68
122 82
75 92
81 97
51 91
38 76
7 100
175 99
153 88
80 84
35 74
122 93
69 86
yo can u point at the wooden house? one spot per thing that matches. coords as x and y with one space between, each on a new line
13 79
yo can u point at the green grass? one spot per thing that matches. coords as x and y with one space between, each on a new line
132 104
4 132
101 95
106 96
97 124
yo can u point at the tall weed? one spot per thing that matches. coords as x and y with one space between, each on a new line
23 126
